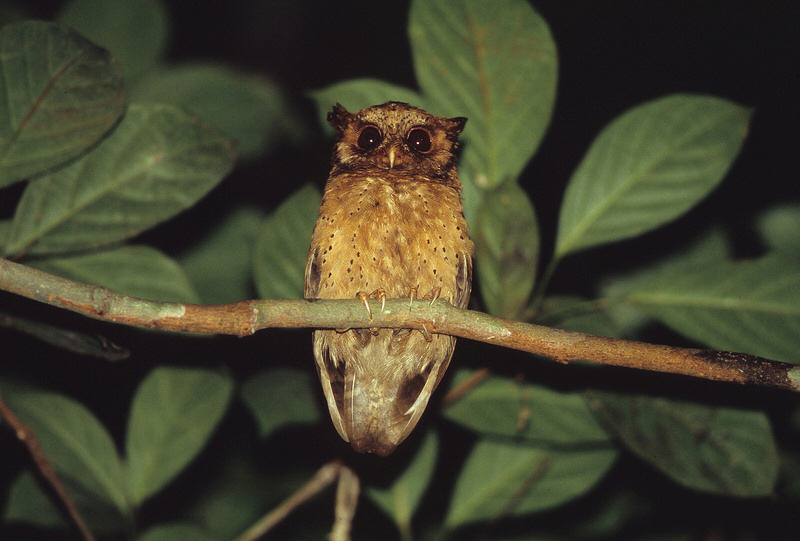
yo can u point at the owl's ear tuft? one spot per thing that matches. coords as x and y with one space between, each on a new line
455 125
340 118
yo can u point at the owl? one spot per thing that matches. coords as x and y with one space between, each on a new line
390 225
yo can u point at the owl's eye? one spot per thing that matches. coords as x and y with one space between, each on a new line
369 137
419 139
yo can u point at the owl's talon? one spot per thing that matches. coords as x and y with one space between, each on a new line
436 292
411 294
364 298
426 333
380 294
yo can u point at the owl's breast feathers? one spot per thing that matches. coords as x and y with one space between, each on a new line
382 232
391 234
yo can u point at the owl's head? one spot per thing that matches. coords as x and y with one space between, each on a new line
396 137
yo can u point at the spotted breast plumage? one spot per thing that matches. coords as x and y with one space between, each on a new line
391 225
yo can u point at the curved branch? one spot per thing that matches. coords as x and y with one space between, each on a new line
246 317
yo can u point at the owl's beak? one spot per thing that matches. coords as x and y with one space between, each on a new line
392 151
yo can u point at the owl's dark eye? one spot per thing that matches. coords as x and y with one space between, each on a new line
369 137
419 139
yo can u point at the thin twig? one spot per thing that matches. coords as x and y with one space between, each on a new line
28 437
246 317
346 501
324 477
465 386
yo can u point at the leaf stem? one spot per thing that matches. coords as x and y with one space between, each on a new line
541 285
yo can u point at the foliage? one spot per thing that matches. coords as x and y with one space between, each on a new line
101 169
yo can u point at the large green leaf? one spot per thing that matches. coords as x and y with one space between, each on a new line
750 306
60 95
506 250
139 271
79 447
158 162
231 239
501 406
135 32
503 479
173 414
282 246
252 111
279 397
721 450
401 499
357 94
494 63
711 247
649 166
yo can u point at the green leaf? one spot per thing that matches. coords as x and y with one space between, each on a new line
751 306
139 271
649 166
504 407
506 251
282 246
722 450
401 499
356 94
159 162
239 491
79 447
176 532
502 479
779 228
251 110
29 503
281 396
494 63
173 414
220 263
61 94
712 247
136 33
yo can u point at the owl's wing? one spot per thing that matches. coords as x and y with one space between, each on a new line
463 280
311 288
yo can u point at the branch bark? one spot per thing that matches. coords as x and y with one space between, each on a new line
247 317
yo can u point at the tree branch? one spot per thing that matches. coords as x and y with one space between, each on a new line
246 317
